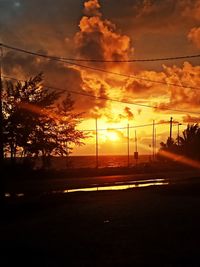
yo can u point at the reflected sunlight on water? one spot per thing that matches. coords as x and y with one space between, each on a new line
115 187
103 187
16 195
111 161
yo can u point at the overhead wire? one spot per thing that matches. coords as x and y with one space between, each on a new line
104 129
107 98
99 69
104 60
130 127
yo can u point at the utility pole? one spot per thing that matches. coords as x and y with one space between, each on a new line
178 133
97 146
1 111
155 152
128 145
136 141
1 131
153 141
136 150
170 132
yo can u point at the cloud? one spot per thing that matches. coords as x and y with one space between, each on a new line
188 75
91 8
194 36
191 119
117 116
167 121
170 96
142 85
127 114
190 9
154 14
99 38
56 74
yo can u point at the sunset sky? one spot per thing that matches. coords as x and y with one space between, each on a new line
111 30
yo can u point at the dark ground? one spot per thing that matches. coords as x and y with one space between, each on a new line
157 226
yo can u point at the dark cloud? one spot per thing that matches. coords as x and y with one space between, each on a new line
151 15
138 87
194 36
89 45
99 38
48 26
191 119
56 75
91 8
36 24
127 114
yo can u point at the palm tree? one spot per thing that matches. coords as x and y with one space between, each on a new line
170 145
190 142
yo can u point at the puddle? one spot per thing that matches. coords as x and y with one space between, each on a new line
141 181
105 187
115 187
7 195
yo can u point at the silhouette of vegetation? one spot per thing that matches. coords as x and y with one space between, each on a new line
187 145
37 122
190 142
170 145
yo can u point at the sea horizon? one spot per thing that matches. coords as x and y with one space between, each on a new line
104 161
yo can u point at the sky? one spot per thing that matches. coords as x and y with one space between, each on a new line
112 30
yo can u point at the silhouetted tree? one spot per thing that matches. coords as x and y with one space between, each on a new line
190 142
34 125
188 145
169 145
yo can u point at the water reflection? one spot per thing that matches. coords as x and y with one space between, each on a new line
142 181
7 195
20 195
105 187
115 187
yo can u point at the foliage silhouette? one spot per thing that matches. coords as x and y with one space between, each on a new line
37 122
188 144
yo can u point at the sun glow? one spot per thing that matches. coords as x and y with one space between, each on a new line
112 136
109 135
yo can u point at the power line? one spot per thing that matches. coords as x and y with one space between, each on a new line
107 98
104 129
130 127
124 128
100 70
102 60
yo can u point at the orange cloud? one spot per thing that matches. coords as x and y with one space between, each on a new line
194 36
91 8
127 114
99 38
188 75
190 9
191 119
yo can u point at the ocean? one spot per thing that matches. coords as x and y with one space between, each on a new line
90 161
